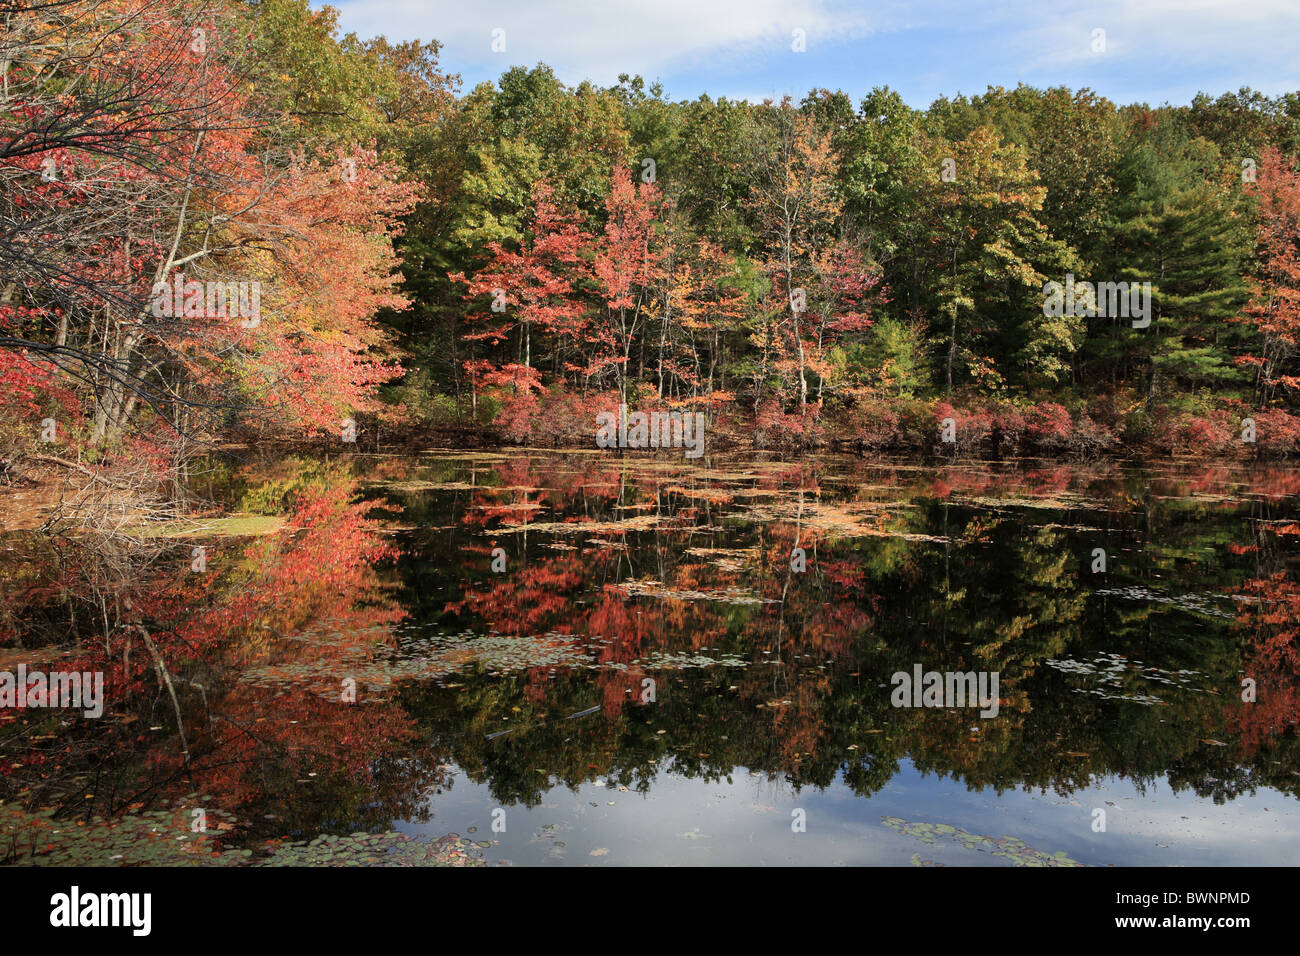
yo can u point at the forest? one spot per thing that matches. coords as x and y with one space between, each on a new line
318 365
230 222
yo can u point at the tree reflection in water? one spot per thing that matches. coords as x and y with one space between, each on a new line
657 601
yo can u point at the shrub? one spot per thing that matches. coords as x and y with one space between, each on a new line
1092 437
1277 432
1050 426
1209 434
974 426
552 416
875 425
1009 428
777 428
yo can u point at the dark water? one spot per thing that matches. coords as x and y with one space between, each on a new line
648 680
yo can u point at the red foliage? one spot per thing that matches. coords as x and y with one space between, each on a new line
22 382
1009 427
774 427
554 415
973 426
876 425
1203 435
1277 432
535 283
1050 425
1274 310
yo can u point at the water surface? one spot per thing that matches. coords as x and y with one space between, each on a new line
572 658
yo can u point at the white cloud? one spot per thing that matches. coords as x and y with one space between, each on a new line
1155 49
1183 33
598 41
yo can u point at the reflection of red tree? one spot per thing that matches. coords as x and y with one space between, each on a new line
265 737
1272 660
321 568
691 603
1272 482
530 600
318 577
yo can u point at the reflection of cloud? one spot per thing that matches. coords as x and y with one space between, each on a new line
1191 829
745 819
597 40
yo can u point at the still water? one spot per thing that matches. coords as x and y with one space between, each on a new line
575 658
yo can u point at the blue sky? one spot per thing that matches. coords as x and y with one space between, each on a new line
1155 51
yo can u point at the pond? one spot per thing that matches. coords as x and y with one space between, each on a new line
584 658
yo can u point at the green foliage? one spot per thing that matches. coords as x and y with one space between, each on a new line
892 360
1048 183
325 90
1177 222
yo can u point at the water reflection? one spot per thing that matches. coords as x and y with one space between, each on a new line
670 661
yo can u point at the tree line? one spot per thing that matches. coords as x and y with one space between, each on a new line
516 257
